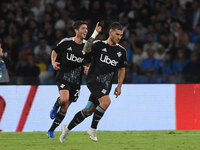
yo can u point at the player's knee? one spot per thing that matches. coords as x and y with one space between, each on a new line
64 100
87 112
105 104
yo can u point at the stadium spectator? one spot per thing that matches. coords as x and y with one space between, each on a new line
137 59
109 13
197 49
49 33
183 42
160 53
180 17
191 71
4 9
61 23
151 43
151 30
20 16
126 26
150 65
42 52
25 49
166 65
193 17
163 39
95 12
3 26
140 30
126 44
180 62
11 48
59 34
61 4
30 72
5 62
128 10
38 10
195 35
33 30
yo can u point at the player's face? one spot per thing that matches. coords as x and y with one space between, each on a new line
116 35
83 30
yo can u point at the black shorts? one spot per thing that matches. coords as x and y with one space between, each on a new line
74 89
98 90
93 99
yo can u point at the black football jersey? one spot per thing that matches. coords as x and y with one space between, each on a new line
72 58
106 62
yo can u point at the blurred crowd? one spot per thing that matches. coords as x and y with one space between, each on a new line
162 37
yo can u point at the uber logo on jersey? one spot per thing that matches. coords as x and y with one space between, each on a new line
73 58
107 60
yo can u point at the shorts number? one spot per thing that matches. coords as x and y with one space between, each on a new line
77 93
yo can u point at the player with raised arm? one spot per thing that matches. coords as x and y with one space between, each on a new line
68 59
108 58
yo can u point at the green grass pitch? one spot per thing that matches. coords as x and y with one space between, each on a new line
107 140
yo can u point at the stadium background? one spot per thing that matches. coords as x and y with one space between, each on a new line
145 106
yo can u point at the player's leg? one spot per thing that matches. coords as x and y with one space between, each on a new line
65 103
98 114
55 108
78 118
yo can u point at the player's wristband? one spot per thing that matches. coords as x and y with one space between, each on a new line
94 34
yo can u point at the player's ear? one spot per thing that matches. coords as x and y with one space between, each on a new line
75 30
110 31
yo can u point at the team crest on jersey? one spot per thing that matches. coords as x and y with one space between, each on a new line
104 50
69 49
119 54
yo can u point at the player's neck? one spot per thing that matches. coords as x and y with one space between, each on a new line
110 42
78 40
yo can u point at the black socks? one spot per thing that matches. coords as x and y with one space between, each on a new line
58 103
98 114
78 118
58 119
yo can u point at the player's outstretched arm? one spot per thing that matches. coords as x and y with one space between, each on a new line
53 60
88 44
121 76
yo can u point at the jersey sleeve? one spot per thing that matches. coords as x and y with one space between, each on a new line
59 48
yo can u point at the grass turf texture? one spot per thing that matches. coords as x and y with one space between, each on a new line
107 140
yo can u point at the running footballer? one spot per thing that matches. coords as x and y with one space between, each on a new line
108 58
68 59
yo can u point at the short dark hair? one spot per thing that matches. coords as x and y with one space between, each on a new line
116 25
78 24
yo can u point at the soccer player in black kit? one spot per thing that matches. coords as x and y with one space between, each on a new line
108 58
68 59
